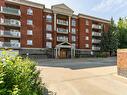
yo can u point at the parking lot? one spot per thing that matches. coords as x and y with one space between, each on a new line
85 76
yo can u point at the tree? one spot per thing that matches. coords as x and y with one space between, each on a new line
122 33
109 41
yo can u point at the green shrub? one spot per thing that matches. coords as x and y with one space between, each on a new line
102 54
19 76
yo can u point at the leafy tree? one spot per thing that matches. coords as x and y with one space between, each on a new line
109 40
19 76
122 33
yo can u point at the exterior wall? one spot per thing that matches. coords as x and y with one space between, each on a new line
82 33
122 62
37 27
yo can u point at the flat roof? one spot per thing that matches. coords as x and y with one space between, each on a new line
27 3
93 18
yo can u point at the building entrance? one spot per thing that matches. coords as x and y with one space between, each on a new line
64 50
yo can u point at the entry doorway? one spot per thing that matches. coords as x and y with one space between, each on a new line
64 50
65 53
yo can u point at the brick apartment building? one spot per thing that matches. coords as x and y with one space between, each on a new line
57 32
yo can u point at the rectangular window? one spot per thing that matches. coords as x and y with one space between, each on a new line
87 45
73 38
29 11
87 38
48 45
49 36
29 22
73 30
29 42
73 22
87 30
87 22
48 18
48 27
74 45
29 32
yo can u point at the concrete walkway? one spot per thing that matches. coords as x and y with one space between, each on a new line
87 81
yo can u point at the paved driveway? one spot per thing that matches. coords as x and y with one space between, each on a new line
82 77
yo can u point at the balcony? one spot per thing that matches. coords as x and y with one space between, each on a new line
62 39
95 48
11 11
96 41
9 45
62 22
96 34
95 26
10 22
61 30
10 33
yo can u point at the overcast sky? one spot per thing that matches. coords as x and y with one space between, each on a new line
100 8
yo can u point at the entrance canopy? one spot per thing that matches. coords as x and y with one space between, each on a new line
62 49
64 45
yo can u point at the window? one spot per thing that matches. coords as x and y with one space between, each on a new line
29 32
87 38
73 30
29 22
87 22
48 45
73 22
49 27
87 30
73 38
74 45
49 36
29 11
29 42
87 45
48 18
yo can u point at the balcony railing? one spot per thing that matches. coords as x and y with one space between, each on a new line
62 39
62 22
95 26
61 30
11 11
11 33
95 48
96 41
9 45
10 22
96 34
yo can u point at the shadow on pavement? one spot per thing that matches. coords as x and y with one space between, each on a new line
78 63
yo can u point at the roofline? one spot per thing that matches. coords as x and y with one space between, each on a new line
94 18
27 3
61 4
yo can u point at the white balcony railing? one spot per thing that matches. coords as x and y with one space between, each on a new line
61 30
96 41
95 26
9 45
62 22
96 34
10 22
10 33
8 10
62 39
95 48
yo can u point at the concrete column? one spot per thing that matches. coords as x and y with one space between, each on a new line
69 24
71 53
74 52
54 22
56 53
59 51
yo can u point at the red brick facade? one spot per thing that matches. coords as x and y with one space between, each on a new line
80 34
